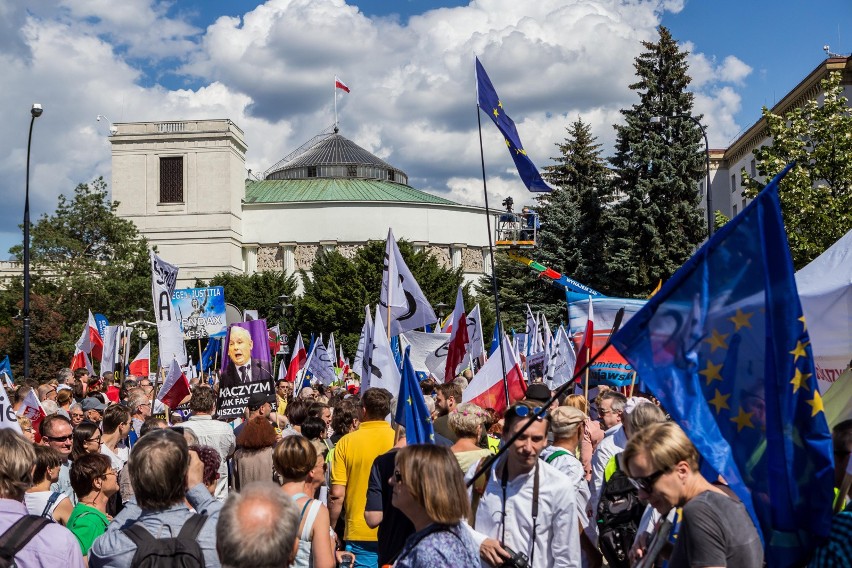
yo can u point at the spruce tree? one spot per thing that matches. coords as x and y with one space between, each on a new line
573 237
657 220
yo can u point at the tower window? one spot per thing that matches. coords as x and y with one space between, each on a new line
171 180
312 171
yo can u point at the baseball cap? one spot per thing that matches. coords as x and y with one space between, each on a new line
538 392
256 400
93 403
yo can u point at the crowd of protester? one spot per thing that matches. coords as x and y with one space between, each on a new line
324 478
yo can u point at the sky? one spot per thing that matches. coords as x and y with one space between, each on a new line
269 67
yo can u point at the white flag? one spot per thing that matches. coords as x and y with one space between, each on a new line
560 367
547 338
112 335
319 364
534 343
163 280
7 415
476 344
409 308
365 346
383 370
332 350
436 360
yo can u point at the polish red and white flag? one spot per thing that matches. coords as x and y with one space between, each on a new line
141 364
340 84
487 390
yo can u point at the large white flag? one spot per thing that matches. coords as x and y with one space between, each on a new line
320 365
365 345
476 344
163 280
331 348
383 370
560 367
110 356
409 308
547 339
7 416
534 342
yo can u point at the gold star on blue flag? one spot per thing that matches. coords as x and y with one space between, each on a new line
759 421
411 411
491 104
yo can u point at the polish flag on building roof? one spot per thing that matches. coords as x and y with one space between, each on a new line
340 84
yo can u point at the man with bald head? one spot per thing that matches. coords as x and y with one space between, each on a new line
242 369
258 527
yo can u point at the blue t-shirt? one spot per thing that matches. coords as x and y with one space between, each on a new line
438 546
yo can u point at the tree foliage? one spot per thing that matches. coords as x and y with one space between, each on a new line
83 257
657 223
816 195
338 288
575 216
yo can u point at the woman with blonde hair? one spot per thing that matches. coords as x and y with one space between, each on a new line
592 432
466 421
715 528
294 458
428 487
27 428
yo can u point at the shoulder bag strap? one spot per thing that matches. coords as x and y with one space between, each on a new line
53 497
478 491
19 534
192 526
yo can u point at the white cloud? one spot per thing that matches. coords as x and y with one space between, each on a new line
271 69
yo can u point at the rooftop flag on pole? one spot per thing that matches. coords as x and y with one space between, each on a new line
725 348
486 388
175 388
491 104
338 84
409 308
6 372
411 411
141 364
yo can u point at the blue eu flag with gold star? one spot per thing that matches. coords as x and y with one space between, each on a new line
725 347
411 411
491 104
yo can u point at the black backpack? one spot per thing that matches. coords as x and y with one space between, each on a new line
618 516
17 536
182 551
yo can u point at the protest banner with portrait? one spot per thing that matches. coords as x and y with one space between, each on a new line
200 311
246 370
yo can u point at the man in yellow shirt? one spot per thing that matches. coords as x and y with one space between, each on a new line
350 474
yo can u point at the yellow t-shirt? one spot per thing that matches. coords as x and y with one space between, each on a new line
353 458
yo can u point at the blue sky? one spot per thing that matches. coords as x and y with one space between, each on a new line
269 67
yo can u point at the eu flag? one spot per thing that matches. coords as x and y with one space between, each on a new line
208 356
493 107
725 347
6 371
411 411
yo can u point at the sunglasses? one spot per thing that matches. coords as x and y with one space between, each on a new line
646 483
397 476
59 438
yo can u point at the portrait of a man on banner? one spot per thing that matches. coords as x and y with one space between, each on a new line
247 369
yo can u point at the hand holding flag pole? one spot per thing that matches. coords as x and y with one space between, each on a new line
619 316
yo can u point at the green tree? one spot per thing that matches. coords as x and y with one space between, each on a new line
338 288
83 257
656 223
574 216
816 195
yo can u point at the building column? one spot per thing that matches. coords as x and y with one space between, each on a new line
288 258
486 261
250 258
328 246
456 254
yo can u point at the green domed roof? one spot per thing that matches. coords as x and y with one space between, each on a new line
336 189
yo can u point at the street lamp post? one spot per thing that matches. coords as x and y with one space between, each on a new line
710 217
35 111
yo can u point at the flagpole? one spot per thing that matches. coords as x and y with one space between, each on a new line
491 254
335 101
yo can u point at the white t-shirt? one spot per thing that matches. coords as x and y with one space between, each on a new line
37 501
118 458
